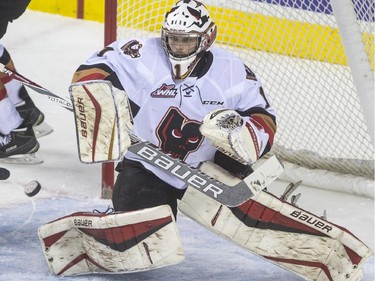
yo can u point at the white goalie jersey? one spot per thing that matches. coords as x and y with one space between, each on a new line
169 113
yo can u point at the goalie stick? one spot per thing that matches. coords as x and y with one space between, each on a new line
37 88
105 114
230 196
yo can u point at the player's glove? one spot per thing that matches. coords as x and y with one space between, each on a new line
231 134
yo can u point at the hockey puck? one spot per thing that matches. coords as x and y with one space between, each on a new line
4 173
32 188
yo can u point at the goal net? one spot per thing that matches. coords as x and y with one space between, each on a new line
321 82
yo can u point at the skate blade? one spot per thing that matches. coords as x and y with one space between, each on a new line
42 130
32 158
289 190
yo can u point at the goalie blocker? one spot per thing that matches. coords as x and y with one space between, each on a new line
102 117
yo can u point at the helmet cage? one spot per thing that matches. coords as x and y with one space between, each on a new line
172 37
186 63
187 22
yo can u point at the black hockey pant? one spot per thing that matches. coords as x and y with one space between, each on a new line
137 188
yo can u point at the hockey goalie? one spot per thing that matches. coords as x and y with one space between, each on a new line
271 227
188 124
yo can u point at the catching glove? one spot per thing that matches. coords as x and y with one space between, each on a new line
232 134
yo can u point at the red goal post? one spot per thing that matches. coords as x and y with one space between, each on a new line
110 34
316 61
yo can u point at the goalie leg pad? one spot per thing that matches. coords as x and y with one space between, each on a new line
284 234
102 118
84 243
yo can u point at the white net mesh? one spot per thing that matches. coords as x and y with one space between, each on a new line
296 50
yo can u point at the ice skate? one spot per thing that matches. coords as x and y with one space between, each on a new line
19 147
32 115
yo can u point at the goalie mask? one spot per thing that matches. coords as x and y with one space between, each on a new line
187 33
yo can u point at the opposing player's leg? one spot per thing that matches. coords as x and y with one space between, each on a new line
19 96
17 144
27 109
32 115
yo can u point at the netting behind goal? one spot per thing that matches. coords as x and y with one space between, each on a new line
297 51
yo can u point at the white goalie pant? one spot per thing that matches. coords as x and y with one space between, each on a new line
286 235
85 243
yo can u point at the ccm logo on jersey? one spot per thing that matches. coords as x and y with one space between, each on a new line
178 170
212 102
